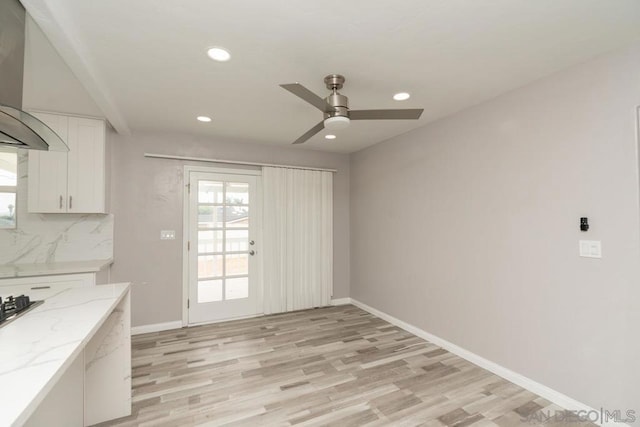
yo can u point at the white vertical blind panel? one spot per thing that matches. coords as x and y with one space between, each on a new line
298 239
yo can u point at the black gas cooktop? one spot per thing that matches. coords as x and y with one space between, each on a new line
12 307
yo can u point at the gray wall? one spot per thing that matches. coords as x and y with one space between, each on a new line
468 229
12 35
49 84
146 197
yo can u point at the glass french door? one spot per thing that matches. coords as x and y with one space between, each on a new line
222 247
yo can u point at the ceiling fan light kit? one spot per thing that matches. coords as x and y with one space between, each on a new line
336 122
335 108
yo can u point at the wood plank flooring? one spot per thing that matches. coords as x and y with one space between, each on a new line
337 366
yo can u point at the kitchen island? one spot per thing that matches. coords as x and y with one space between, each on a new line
67 362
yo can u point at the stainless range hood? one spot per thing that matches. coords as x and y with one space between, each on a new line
18 129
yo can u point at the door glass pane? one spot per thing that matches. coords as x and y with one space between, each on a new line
237 264
222 231
8 169
209 192
237 193
237 288
237 216
210 216
209 266
210 241
210 290
237 240
7 210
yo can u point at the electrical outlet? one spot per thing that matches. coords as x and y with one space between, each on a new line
167 234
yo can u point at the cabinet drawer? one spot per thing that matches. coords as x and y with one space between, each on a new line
41 287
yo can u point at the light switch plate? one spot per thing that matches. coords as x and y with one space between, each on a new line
590 248
167 234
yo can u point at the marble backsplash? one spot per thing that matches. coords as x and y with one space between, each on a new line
45 238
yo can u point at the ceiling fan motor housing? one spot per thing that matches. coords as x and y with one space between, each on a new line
339 102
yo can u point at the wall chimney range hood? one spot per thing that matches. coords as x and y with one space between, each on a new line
18 129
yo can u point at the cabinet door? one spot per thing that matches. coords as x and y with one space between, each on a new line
86 168
47 179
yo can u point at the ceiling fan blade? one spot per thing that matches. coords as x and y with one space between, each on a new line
308 134
304 93
410 114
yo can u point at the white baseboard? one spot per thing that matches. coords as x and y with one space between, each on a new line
156 327
341 301
551 395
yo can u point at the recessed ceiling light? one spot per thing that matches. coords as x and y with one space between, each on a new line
205 119
401 96
329 137
219 54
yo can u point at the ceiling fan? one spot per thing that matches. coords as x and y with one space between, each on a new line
336 108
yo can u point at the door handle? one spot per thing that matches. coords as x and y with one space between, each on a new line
251 242
70 202
61 201
252 252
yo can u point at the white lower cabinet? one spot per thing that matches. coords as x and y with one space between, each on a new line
72 182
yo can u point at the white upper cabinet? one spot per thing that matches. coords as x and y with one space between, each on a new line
86 186
72 182
48 171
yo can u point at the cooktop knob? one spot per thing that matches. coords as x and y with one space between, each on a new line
22 302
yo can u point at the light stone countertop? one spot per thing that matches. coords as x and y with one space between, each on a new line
37 348
73 267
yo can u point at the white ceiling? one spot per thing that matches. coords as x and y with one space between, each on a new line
145 62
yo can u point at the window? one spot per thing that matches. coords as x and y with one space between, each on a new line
8 189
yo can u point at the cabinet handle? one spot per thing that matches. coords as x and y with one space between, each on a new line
70 202
60 201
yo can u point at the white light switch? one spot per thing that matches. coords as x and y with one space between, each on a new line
167 234
591 248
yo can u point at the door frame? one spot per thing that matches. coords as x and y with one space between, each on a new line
185 228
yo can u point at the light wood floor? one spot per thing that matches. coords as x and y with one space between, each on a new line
336 366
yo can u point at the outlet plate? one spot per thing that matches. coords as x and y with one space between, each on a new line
167 234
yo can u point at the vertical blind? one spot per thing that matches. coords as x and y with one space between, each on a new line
297 238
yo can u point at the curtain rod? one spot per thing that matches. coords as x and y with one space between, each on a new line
233 162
